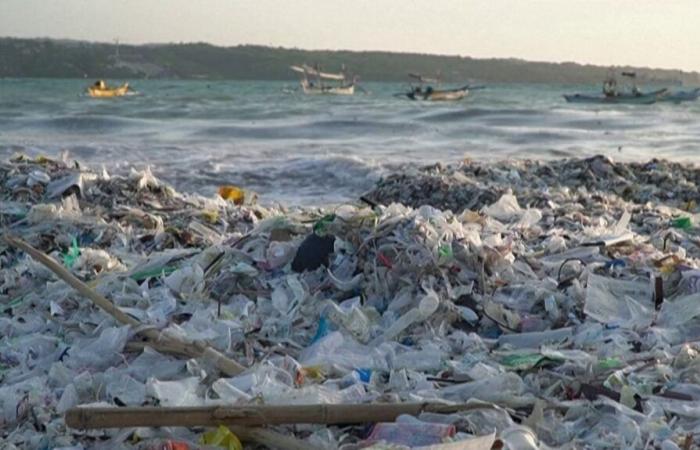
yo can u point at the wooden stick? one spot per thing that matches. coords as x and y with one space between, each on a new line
253 415
161 340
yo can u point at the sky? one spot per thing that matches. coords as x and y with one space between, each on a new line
654 33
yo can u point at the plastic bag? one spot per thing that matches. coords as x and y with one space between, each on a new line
412 433
616 302
222 437
426 308
505 209
232 194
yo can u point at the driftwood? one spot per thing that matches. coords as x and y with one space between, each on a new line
159 340
253 415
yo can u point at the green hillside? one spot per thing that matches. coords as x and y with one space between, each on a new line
69 59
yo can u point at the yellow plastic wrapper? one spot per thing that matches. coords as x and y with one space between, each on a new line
314 373
222 437
210 215
232 194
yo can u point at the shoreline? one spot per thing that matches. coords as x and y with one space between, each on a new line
542 273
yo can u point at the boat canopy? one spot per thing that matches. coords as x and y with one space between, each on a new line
423 79
308 70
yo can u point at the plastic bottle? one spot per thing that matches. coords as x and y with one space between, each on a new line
426 308
519 438
352 319
280 253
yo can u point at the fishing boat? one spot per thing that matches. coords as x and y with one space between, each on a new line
346 85
620 99
101 90
613 96
428 93
681 96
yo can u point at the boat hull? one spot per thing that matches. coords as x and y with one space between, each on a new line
109 92
440 96
328 90
644 99
682 96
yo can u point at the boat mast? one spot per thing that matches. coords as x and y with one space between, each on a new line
319 78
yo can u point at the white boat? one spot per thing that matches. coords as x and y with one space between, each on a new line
313 81
429 93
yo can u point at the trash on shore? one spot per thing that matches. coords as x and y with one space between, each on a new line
563 295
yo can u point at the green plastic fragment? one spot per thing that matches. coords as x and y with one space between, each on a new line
153 273
322 224
17 301
610 363
72 254
527 361
682 222
445 252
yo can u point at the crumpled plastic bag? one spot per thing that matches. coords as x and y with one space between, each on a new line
175 393
101 352
68 210
144 179
97 260
505 209
618 302
222 437
186 281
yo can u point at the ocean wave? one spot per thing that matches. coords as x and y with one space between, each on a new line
312 150
86 124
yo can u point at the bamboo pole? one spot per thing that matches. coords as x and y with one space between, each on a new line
160 340
253 415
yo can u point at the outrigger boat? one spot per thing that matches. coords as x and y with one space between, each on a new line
681 96
100 90
611 95
428 93
346 86
622 99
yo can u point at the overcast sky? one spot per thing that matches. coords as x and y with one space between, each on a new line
656 33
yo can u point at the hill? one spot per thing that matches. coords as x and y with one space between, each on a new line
71 59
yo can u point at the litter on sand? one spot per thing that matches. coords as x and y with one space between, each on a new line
517 305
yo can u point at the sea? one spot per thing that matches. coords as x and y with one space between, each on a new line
296 149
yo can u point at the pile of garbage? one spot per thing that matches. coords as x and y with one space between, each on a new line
559 300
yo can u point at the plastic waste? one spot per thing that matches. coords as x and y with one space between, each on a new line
144 179
37 177
186 281
426 308
280 254
313 252
618 302
222 437
350 318
542 304
410 432
72 254
683 223
519 438
335 349
535 339
505 209
170 444
232 194
69 185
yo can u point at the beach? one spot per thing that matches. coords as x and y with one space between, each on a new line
546 293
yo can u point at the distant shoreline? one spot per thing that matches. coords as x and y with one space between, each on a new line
48 58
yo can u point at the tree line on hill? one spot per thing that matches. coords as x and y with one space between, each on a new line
47 58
